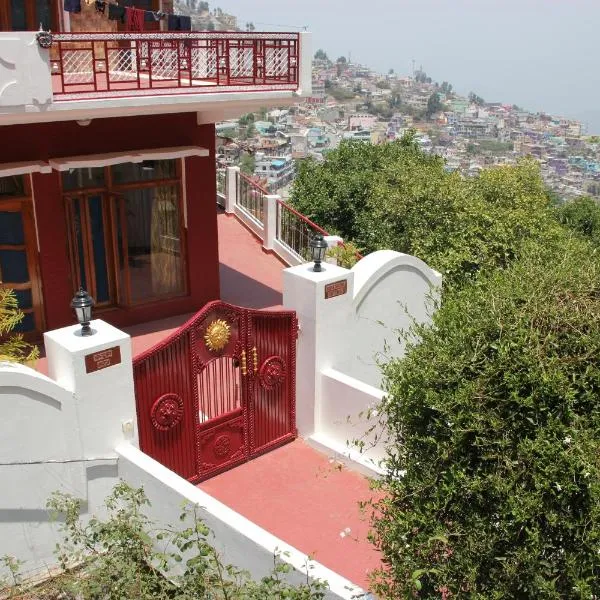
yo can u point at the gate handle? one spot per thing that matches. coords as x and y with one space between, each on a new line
255 359
244 369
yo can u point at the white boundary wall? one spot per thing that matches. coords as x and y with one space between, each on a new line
239 541
343 337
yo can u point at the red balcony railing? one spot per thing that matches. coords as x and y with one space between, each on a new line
88 65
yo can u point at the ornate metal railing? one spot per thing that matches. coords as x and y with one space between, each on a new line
295 231
99 64
250 196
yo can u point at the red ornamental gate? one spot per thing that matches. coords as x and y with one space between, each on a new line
219 391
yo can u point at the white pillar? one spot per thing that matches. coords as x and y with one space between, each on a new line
270 220
306 58
322 302
98 370
231 187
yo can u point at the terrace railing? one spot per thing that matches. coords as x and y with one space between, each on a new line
281 227
100 64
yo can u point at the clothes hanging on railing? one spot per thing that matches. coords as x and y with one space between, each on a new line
73 6
100 6
179 23
134 18
116 13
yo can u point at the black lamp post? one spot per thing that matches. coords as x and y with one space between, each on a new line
82 304
318 247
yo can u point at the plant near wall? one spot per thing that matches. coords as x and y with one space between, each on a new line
346 255
13 347
125 555
492 488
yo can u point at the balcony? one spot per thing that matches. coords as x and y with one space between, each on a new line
79 72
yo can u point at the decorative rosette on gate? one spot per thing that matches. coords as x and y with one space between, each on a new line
167 412
272 373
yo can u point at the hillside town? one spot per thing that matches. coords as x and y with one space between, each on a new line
351 101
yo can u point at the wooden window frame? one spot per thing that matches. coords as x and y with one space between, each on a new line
114 215
24 205
33 23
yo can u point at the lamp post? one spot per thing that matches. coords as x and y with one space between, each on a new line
82 304
318 247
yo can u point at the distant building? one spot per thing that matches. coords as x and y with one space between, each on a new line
277 170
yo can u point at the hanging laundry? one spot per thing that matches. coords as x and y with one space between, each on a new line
151 16
116 13
100 6
185 23
173 22
134 18
73 6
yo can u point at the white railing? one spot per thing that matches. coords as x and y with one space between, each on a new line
282 229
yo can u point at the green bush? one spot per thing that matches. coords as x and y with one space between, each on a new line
493 483
583 216
126 556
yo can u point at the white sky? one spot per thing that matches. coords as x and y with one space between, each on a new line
539 54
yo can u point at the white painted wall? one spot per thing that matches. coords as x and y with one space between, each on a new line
24 71
342 339
59 434
239 541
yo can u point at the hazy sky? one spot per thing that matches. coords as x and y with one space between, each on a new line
539 54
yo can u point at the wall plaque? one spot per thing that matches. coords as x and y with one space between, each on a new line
337 288
103 359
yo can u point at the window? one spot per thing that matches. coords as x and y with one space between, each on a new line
12 187
28 15
126 235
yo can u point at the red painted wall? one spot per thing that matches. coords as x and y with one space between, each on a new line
56 140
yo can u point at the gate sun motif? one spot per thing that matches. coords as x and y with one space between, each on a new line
219 391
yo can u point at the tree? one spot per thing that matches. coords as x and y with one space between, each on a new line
433 105
475 99
250 26
582 215
320 54
394 196
342 60
247 163
12 346
492 488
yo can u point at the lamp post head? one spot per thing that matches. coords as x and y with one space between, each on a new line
318 248
82 303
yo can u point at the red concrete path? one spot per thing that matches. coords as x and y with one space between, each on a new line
298 495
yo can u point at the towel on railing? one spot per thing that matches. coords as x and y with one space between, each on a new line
116 13
134 18
73 6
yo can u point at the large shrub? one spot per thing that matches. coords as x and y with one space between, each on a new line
493 484
397 197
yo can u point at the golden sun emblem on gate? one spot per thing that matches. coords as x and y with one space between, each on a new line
217 335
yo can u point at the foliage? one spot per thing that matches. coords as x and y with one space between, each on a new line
434 105
342 60
394 196
583 216
346 255
320 54
247 163
246 119
475 99
340 94
12 346
126 556
493 483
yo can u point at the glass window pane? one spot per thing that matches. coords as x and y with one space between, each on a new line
27 324
24 298
155 262
12 187
99 248
75 179
77 226
11 228
18 18
43 14
13 266
145 171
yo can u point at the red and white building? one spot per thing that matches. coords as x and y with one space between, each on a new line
107 157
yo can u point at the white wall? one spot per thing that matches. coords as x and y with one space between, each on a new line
59 435
343 338
238 541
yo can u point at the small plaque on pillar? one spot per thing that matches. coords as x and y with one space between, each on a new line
103 359
337 288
